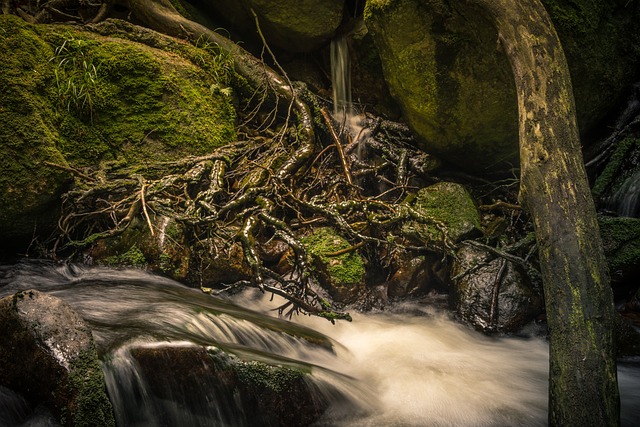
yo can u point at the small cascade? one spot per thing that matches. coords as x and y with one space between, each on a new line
343 110
626 200
341 79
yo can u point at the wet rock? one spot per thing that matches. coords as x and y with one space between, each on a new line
293 25
497 296
447 204
48 355
415 275
409 276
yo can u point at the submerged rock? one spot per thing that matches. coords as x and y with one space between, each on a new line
495 295
47 354
211 385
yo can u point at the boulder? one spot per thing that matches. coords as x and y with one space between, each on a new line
293 25
445 67
495 296
416 275
48 355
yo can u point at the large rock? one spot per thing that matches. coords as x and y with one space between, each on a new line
72 99
293 25
494 294
48 355
445 67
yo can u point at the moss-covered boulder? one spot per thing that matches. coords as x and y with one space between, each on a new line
71 99
445 67
443 207
47 353
293 25
342 273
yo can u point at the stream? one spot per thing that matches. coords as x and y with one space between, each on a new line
412 366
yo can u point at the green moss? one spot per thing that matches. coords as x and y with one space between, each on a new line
444 204
92 406
374 7
147 104
578 16
276 379
28 186
621 241
75 98
133 257
346 269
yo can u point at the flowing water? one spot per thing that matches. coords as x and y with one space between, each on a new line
341 78
411 367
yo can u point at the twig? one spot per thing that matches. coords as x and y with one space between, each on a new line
144 206
74 171
500 205
336 141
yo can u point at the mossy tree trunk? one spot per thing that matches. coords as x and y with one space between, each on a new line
583 384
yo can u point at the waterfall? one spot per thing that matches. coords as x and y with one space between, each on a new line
411 367
341 79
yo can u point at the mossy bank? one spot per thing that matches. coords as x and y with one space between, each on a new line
73 99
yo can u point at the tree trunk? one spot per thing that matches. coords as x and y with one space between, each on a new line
583 382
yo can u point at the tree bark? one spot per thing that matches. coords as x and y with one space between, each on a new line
583 382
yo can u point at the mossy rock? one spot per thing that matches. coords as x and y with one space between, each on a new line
445 204
621 240
446 69
293 25
74 98
342 275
